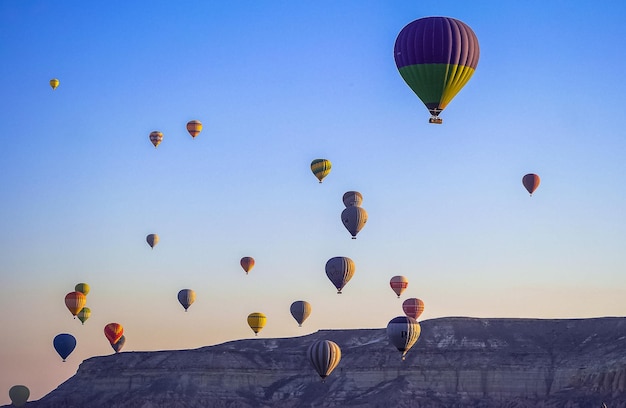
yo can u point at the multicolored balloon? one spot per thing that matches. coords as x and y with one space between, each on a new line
324 356
413 307
403 332
436 57
399 284
156 138
186 297
113 332
354 219
531 182
54 83
256 321
321 168
300 310
19 395
152 240
64 344
75 301
340 270
84 314
117 346
194 127
247 263
82 288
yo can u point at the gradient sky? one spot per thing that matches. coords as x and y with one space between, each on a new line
276 85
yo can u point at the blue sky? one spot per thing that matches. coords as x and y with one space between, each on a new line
276 85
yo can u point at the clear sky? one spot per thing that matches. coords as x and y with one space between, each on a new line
276 85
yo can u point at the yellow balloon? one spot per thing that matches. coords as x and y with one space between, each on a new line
256 321
54 83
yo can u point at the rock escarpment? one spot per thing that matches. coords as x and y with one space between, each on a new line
457 362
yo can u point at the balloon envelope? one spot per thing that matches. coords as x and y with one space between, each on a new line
113 332
186 297
156 138
194 127
19 395
413 307
54 83
82 288
247 263
321 168
399 284
64 344
74 301
354 219
152 240
436 57
403 332
324 356
84 314
117 346
352 199
531 182
300 310
340 270
256 321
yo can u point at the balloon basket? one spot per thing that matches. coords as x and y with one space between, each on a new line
436 120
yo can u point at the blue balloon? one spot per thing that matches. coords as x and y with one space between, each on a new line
64 344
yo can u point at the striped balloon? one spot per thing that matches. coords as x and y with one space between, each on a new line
340 270
84 314
156 138
300 310
413 307
324 356
75 301
354 219
403 332
399 284
321 168
436 57
194 127
256 321
113 332
186 297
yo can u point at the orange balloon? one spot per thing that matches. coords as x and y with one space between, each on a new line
194 127
413 307
113 332
75 301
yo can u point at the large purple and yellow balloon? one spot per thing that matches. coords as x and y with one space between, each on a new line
436 56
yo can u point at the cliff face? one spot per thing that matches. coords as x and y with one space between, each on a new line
457 362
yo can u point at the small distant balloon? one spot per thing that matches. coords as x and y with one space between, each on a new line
354 219
321 168
84 314
247 263
54 83
256 321
300 310
82 288
186 297
64 344
117 346
194 127
324 356
399 284
152 240
340 270
156 138
19 395
113 332
413 307
403 332
531 182
352 199
75 301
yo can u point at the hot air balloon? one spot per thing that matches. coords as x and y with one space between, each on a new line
19 395
256 321
321 168
156 138
75 301
194 127
399 284
340 270
54 83
436 57
531 182
247 263
403 332
113 332
117 346
354 219
152 240
64 344
413 307
186 297
324 356
352 199
84 314
82 288
300 310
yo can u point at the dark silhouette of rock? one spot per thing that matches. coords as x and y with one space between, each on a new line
457 362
